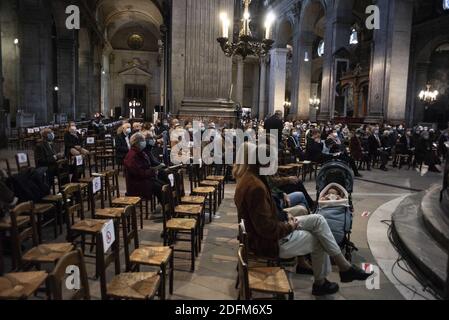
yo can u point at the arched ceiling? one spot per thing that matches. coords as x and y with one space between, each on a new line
115 16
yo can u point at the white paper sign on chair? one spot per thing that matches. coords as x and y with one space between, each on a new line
22 158
30 131
172 180
108 234
79 160
96 184
90 140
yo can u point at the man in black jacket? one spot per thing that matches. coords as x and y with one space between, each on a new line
45 154
275 123
122 144
375 149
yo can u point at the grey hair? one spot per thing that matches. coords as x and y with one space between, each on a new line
136 139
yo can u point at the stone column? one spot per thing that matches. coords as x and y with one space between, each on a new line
240 80
338 30
201 74
278 73
262 88
400 58
304 80
67 66
2 111
313 92
390 62
255 100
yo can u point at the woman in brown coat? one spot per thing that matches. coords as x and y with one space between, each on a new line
296 237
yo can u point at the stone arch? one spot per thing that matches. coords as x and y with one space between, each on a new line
284 33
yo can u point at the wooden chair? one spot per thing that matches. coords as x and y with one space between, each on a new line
188 208
112 187
21 285
221 180
161 257
39 253
266 280
78 226
126 286
22 161
209 192
127 218
174 227
58 275
6 166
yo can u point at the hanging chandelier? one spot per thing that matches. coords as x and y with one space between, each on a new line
246 45
428 96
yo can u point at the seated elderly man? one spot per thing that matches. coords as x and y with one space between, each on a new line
141 177
45 154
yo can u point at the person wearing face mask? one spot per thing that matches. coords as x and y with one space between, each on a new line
122 143
72 142
375 148
426 152
45 154
294 145
141 177
406 145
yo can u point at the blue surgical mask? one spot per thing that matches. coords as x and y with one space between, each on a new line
142 145
51 136
151 142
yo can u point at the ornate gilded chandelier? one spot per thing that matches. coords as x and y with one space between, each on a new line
246 45
427 96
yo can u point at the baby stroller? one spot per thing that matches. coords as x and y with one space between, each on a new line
337 175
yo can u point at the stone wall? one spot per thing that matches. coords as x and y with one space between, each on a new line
201 74
135 67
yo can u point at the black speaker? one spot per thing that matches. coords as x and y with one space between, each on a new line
118 112
6 106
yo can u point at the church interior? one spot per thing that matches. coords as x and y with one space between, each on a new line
127 128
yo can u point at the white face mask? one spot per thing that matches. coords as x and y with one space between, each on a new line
128 131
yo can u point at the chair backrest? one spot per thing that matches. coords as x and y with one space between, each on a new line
22 161
243 238
62 173
132 232
167 203
111 185
29 231
96 192
73 203
72 262
6 166
179 181
245 293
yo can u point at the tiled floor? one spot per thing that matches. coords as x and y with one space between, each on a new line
215 274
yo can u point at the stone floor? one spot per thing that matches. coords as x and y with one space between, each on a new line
215 274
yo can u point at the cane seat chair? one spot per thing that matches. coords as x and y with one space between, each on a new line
39 253
21 285
266 280
57 277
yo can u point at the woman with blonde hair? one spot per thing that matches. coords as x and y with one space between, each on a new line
122 143
270 237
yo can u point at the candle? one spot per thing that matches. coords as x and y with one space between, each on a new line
269 20
225 28
267 33
225 24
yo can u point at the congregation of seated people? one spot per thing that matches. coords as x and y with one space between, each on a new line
277 209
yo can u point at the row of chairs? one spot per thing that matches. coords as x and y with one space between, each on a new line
182 214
